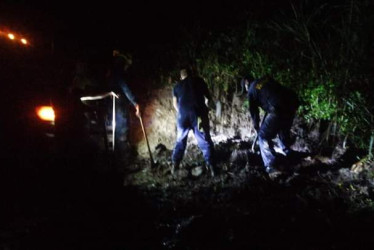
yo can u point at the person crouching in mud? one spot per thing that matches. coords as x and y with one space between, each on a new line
280 104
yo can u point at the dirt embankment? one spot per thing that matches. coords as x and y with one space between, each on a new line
229 120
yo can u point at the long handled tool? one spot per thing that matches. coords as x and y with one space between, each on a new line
254 143
146 139
84 99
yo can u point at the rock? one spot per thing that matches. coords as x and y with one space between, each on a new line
197 171
324 159
218 109
360 166
181 173
238 156
160 148
346 175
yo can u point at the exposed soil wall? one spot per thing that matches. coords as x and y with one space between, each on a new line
159 118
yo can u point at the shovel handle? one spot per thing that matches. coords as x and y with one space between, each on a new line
146 139
254 143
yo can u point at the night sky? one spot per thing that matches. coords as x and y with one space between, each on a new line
76 27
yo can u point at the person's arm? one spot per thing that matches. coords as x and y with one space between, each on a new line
131 98
175 99
254 108
208 97
205 89
175 103
137 110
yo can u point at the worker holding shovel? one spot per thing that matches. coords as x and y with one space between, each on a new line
280 104
117 83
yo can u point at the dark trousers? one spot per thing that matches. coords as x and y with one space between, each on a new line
190 121
122 123
122 135
273 125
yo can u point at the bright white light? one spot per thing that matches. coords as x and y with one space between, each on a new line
24 41
11 36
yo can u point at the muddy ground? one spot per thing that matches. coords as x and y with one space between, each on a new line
84 198
322 201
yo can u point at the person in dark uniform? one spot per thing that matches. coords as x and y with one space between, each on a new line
189 101
280 104
117 84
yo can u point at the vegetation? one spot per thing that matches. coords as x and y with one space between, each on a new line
320 50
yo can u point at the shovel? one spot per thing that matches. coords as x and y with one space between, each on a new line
254 143
146 139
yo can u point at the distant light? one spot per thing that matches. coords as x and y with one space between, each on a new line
24 41
11 36
46 113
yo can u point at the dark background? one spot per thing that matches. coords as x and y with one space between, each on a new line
76 28
152 31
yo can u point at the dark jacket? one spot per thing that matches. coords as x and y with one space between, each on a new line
117 80
272 97
191 93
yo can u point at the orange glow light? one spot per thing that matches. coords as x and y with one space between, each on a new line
11 36
24 41
46 113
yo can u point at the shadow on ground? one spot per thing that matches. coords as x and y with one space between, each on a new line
82 203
